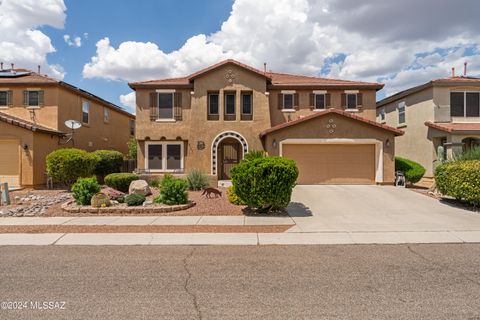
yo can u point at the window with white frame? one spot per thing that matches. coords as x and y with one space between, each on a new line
164 156
5 98
165 105
288 101
33 98
85 112
351 101
465 104
319 101
106 115
401 113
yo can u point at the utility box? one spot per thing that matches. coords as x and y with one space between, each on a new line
4 197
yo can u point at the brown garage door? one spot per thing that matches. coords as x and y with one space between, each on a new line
333 163
10 162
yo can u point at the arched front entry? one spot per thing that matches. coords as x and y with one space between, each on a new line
228 148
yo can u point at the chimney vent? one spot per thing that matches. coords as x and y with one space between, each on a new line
465 69
38 69
264 67
453 71
1 65
12 66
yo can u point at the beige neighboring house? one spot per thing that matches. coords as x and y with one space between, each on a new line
210 119
33 110
439 118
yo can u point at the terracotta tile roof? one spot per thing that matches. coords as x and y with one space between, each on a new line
397 132
28 77
274 79
27 124
454 127
448 81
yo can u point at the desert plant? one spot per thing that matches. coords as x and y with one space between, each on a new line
265 184
120 181
173 191
254 154
134 199
132 148
100 200
233 198
84 189
197 180
67 165
413 171
460 180
471 154
110 161
155 183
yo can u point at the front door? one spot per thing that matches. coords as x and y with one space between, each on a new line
230 155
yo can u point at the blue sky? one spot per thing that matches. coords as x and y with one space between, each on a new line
122 41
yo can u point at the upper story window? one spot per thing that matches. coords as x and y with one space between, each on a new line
401 113
288 101
5 98
229 106
33 98
465 104
213 106
106 115
165 105
247 106
132 127
85 112
319 101
382 114
351 101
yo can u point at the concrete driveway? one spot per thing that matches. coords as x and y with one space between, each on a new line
336 208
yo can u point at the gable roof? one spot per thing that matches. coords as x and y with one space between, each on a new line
447 81
346 114
274 80
454 127
27 124
28 77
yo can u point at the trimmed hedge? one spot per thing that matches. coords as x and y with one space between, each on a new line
110 161
67 165
460 180
413 171
120 181
233 198
173 191
265 184
84 189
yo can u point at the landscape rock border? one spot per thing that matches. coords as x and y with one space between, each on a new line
72 207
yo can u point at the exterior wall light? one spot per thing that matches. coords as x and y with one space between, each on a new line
274 143
25 147
387 142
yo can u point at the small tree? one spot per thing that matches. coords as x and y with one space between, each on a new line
67 165
84 189
132 148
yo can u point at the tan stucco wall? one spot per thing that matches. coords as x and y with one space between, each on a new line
416 144
346 128
277 116
194 126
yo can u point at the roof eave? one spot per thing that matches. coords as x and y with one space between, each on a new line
310 86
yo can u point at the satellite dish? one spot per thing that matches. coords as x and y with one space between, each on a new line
73 124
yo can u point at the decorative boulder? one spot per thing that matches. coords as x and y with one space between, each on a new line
139 187
112 193
100 200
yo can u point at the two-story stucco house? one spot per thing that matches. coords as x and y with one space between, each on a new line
439 118
33 111
211 118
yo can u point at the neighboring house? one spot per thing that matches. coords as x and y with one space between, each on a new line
33 110
439 118
211 118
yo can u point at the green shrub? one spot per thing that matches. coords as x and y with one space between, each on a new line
413 171
471 154
155 183
84 189
197 180
110 161
266 183
254 154
67 165
233 198
120 181
132 148
460 180
134 199
173 191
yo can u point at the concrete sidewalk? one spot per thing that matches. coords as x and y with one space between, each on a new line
148 220
315 238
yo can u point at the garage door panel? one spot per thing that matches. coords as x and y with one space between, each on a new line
9 162
333 164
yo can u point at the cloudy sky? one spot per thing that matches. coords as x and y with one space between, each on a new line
100 47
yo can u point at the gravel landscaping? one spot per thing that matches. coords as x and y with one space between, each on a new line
30 203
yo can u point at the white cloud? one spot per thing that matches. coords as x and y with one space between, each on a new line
21 41
129 102
379 40
77 41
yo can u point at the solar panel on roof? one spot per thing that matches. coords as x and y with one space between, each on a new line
9 74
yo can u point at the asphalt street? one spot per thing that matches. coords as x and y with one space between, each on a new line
254 282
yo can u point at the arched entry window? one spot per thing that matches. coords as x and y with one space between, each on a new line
228 148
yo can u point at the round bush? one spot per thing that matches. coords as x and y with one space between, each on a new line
413 171
460 180
266 183
110 161
173 191
134 199
67 165
120 181
84 189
